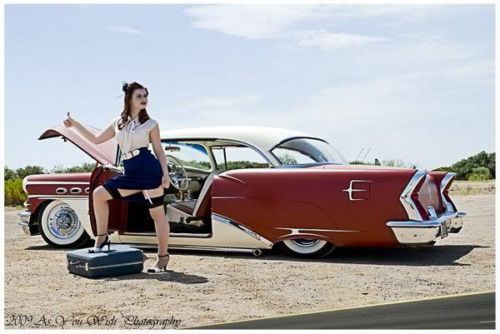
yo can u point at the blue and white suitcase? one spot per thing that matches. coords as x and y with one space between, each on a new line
119 260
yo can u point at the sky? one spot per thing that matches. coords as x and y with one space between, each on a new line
407 82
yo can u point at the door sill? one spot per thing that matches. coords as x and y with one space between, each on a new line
171 235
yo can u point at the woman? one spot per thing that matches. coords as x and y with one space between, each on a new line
134 129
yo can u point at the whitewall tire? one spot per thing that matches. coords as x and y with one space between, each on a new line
312 248
60 226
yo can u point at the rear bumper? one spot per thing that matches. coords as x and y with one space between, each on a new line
412 232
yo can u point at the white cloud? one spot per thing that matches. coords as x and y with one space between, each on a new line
123 29
249 21
326 40
395 12
429 114
275 22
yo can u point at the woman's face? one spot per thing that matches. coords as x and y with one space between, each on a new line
139 99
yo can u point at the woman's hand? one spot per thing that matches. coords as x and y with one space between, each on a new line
165 181
69 122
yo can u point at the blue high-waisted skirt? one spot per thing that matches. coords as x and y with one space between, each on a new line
142 171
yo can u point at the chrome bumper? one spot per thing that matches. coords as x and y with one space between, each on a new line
413 232
25 220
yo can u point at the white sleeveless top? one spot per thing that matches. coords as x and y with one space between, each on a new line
133 135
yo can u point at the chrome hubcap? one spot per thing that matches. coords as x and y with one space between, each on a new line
305 242
63 222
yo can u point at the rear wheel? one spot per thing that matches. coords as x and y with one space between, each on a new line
310 248
60 226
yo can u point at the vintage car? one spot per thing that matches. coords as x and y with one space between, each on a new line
247 189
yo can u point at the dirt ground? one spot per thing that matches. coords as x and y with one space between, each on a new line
204 287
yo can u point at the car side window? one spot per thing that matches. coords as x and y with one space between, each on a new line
191 155
237 157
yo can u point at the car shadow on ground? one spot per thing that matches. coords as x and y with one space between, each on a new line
446 255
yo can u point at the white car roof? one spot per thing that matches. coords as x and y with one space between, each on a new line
262 137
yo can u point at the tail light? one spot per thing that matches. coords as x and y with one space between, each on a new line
409 197
445 185
414 196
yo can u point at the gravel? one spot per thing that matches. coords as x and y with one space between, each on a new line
204 287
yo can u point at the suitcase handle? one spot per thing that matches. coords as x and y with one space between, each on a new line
77 264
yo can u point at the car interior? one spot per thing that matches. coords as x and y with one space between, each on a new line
192 168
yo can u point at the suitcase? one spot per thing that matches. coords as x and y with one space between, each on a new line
119 260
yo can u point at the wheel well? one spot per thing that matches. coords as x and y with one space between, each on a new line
36 216
304 236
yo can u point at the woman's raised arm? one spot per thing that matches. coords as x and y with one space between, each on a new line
105 135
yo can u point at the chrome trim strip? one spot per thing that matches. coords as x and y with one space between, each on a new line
56 196
28 183
405 197
225 220
191 235
215 249
197 248
296 230
179 235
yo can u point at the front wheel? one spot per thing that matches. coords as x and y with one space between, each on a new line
310 248
60 226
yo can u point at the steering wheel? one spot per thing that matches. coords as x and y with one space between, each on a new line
177 173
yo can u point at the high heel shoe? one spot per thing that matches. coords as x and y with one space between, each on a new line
107 241
160 265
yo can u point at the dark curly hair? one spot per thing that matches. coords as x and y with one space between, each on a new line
128 89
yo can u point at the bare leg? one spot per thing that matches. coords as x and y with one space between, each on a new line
100 198
162 228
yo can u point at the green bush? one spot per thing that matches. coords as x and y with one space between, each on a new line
359 162
465 167
14 194
479 173
389 163
13 180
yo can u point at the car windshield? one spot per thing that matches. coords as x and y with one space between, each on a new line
307 151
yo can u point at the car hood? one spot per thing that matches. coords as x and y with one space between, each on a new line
104 153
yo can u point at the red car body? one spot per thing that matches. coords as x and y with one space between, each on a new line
307 210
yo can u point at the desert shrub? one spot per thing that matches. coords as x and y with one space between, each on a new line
479 173
465 167
14 194
13 180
